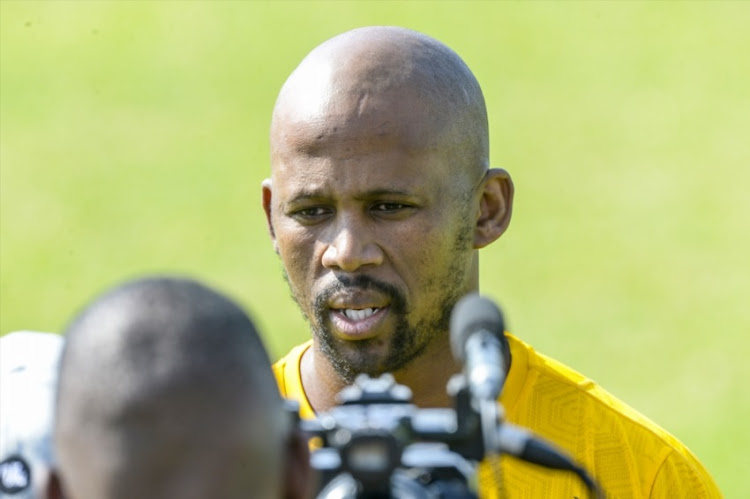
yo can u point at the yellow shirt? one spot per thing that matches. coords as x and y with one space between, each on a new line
629 455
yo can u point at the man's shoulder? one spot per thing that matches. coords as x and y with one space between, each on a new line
566 386
599 429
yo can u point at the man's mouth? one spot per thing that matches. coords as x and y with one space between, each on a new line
357 323
358 308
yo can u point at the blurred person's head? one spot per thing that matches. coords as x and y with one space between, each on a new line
28 374
166 391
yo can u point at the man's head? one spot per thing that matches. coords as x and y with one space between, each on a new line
380 194
166 391
28 375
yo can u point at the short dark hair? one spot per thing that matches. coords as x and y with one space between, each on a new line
155 363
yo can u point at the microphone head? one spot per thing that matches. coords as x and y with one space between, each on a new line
474 313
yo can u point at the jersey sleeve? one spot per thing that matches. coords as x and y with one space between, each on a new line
680 476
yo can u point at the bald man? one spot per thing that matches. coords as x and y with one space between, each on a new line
379 200
166 391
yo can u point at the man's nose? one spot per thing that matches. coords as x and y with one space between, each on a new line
352 247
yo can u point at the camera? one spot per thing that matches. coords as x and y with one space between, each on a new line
377 444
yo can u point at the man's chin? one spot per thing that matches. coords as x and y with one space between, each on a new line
353 359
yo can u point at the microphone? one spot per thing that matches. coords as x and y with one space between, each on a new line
478 341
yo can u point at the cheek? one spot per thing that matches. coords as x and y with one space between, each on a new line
297 250
422 252
435 238
439 256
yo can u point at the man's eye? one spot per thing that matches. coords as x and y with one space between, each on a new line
313 212
389 207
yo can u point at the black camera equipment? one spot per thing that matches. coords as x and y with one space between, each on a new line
377 444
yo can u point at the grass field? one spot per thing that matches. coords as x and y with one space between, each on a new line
134 139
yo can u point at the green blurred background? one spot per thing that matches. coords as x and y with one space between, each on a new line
134 140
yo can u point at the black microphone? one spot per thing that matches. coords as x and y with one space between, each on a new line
478 340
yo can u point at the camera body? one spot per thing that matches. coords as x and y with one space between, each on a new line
377 444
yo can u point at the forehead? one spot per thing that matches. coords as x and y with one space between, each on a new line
387 169
380 140
327 121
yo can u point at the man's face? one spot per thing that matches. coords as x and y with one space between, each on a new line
374 227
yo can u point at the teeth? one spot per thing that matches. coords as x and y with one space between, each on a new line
358 315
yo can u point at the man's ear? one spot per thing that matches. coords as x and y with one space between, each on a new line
266 198
495 207
54 489
299 480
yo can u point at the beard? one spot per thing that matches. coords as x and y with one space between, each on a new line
409 341
406 342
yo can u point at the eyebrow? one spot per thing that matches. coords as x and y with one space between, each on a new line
307 194
372 193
